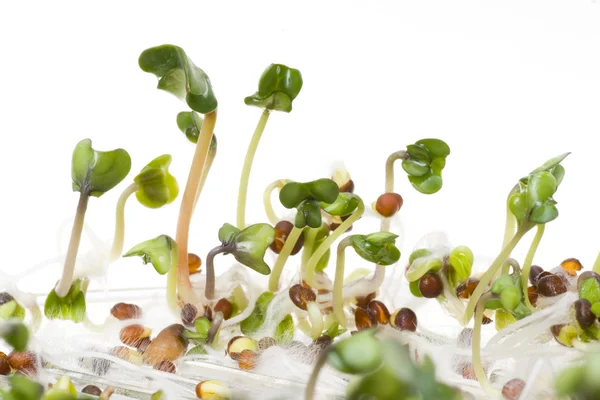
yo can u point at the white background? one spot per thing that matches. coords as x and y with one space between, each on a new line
507 84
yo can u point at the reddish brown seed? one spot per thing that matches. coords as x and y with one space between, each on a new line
512 389
551 285
585 276
248 359
189 312
363 320
4 366
194 263
571 266
124 311
22 360
143 345
465 290
534 273
533 294
168 345
282 231
430 285
347 187
363 301
404 319
166 366
266 343
224 306
91 389
583 313
301 296
132 335
388 204
379 312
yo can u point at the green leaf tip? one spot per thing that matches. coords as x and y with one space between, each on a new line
71 307
178 75
277 88
96 172
161 252
157 187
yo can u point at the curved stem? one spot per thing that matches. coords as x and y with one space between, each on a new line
389 169
528 261
509 231
172 288
117 245
186 209
476 348
69 268
491 272
278 184
285 252
596 267
309 241
212 152
209 287
338 283
243 190
310 272
312 381
316 319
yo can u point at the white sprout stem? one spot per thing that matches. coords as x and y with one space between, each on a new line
269 210
338 283
284 254
312 382
389 169
245 178
476 346
310 271
528 261
117 245
365 286
316 319
212 152
69 268
172 287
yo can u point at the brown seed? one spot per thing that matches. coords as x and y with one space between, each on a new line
166 366
5 298
23 360
583 313
533 294
379 312
465 290
91 389
466 370
194 263
404 319
301 296
388 204
124 311
363 320
238 344
247 359
282 231
431 285
334 225
551 285
4 366
143 345
585 276
485 320
347 187
266 343
555 329
543 274
534 274
571 266
132 335
224 306
169 345
512 389
363 301
189 313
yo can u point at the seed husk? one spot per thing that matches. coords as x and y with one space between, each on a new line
512 389
363 320
189 313
5 298
301 296
363 301
23 361
169 345
4 366
583 313
143 345
585 276
125 311
133 335
247 359
534 274
194 263
571 266
224 306
404 319
166 366
533 294
551 285
282 230
266 343
92 389
431 285
388 204
238 344
466 289
564 334
378 312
